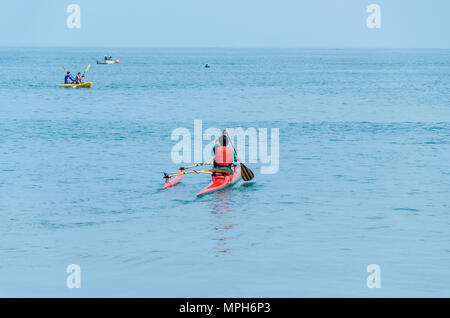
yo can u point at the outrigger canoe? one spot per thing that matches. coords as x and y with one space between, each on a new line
220 177
83 85
222 182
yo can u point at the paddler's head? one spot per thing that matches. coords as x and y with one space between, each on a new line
68 73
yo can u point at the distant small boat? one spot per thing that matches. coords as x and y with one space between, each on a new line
105 62
108 60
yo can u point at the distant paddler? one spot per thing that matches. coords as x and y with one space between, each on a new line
79 78
68 79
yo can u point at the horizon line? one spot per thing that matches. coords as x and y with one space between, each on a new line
229 47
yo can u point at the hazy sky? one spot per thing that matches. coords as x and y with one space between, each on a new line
227 23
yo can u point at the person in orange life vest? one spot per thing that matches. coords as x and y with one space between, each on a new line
223 155
78 78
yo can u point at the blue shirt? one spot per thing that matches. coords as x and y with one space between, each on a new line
66 79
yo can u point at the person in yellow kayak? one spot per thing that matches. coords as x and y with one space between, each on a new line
68 79
224 157
79 78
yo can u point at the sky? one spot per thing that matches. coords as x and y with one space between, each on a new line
227 23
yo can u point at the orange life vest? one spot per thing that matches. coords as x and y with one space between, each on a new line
224 156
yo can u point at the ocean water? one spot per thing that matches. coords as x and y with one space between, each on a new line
364 173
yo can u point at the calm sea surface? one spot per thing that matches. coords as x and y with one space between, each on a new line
364 173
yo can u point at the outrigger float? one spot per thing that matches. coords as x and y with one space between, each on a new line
221 178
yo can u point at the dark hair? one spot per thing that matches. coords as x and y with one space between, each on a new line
68 73
224 140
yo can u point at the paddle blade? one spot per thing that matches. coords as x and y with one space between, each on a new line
246 173
63 68
87 68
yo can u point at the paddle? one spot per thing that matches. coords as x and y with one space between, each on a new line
197 165
87 69
246 173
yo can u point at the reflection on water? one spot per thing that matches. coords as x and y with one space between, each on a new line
225 220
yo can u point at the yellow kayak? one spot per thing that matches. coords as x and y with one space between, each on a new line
87 84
